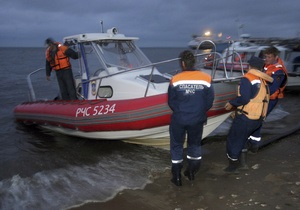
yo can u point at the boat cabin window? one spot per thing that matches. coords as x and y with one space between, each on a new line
90 63
105 92
93 61
122 54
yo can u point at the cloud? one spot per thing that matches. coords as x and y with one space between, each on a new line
156 22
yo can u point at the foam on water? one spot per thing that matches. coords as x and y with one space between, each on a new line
73 185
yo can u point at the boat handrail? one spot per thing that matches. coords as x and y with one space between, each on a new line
153 67
224 59
148 83
32 96
132 69
30 86
217 57
203 42
235 53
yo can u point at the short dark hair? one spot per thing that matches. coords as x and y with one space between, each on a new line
256 63
188 58
49 41
271 50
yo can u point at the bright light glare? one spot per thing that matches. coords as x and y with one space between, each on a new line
207 33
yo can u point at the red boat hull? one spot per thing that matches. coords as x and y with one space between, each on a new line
101 115
97 115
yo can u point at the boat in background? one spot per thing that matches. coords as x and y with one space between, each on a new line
201 44
121 94
236 56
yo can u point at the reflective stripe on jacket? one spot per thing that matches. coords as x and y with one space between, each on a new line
190 96
60 60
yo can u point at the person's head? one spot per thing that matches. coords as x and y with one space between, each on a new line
187 60
256 63
271 55
49 42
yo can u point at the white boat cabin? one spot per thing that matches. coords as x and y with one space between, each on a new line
108 65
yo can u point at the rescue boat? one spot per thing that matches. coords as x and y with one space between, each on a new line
121 94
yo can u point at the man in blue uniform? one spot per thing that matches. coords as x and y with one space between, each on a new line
275 68
190 96
251 106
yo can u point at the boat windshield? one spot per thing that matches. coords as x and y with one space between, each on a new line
122 54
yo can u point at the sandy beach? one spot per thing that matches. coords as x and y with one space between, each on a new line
271 182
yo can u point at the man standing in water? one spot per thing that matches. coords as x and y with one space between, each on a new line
190 96
57 58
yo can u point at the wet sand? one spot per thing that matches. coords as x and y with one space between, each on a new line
271 182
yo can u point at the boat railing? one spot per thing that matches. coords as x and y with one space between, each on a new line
225 75
217 58
218 61
239 61
203 42
152 66
32 96
217 65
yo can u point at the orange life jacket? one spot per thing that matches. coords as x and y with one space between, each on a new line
257 106
61 61
272 68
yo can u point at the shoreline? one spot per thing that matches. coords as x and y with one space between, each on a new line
272 182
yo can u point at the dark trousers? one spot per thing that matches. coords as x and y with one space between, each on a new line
257 133
240 130
177 138
66 84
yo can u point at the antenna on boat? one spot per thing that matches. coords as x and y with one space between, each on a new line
101 22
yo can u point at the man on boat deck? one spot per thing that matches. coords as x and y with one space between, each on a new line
57 58
190 96
251 106
275 68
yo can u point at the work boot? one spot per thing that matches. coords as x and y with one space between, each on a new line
176 173
254 148
243 160
192 169
252 145
232 167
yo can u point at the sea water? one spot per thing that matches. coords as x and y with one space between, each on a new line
43 170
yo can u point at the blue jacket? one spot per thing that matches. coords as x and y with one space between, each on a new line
190 96
248 90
